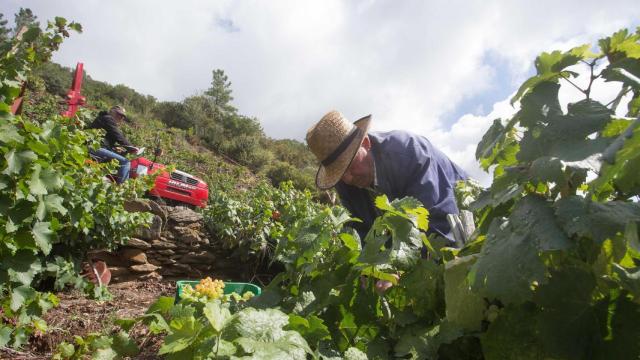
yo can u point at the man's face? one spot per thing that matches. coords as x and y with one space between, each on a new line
118 118
360 172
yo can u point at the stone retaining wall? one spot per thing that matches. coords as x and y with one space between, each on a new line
177 244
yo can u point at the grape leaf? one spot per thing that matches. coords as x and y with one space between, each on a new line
629 280
623 341
9 133
534 216
217 315
566 323
124 346
464 308
511 336
19 296
22 267
184 331
5 335
312 328
550 66
43 236
599 221
508 264
16 160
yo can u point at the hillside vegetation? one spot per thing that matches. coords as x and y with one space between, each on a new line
205 122
551 272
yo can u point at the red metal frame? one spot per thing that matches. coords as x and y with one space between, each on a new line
74 97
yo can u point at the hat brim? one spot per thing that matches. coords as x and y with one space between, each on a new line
328 176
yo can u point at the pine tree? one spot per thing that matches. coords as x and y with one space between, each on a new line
4 30
25 17
220 93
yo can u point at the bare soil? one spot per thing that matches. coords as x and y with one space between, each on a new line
78 315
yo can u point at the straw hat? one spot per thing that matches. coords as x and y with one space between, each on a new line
335 141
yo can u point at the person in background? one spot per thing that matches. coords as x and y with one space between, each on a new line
110 121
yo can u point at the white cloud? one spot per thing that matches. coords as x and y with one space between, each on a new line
459 142
408 63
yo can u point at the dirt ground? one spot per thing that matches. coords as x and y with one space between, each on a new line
77 315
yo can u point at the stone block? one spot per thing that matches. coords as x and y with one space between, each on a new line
143 268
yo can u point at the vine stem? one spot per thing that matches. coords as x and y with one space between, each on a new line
617 98
591 78
218 343
574 85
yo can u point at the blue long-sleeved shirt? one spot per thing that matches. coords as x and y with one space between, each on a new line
406 165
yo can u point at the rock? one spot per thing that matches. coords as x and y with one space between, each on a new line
151 276
110 258
152 232
159 210
125 278
136 256
202 267
177 269
186 235
203 239
144 268
156 262
117 271
197 226
167 261
182 214
167 252
159 244
138 244
137 205
197 258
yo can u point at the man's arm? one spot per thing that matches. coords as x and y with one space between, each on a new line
432 181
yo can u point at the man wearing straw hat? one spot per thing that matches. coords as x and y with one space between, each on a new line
362 165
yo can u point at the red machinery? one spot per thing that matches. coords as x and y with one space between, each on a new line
176 186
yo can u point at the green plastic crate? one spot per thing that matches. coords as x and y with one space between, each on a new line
229 287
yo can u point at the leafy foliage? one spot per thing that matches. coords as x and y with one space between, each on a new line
552 271
201 331
257 218
57 206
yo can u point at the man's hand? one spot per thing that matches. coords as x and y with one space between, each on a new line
382 286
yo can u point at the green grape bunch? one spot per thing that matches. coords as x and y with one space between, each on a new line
207 289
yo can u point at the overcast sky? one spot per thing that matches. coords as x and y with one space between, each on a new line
443 69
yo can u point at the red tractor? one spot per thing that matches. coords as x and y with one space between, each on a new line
174 187
177 186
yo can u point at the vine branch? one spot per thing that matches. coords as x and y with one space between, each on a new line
574 85
620 95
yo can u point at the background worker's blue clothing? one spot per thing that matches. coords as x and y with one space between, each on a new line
406 165
113 137
125 164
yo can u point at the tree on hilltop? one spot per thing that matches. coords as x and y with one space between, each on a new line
220 93
25 17
4 30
